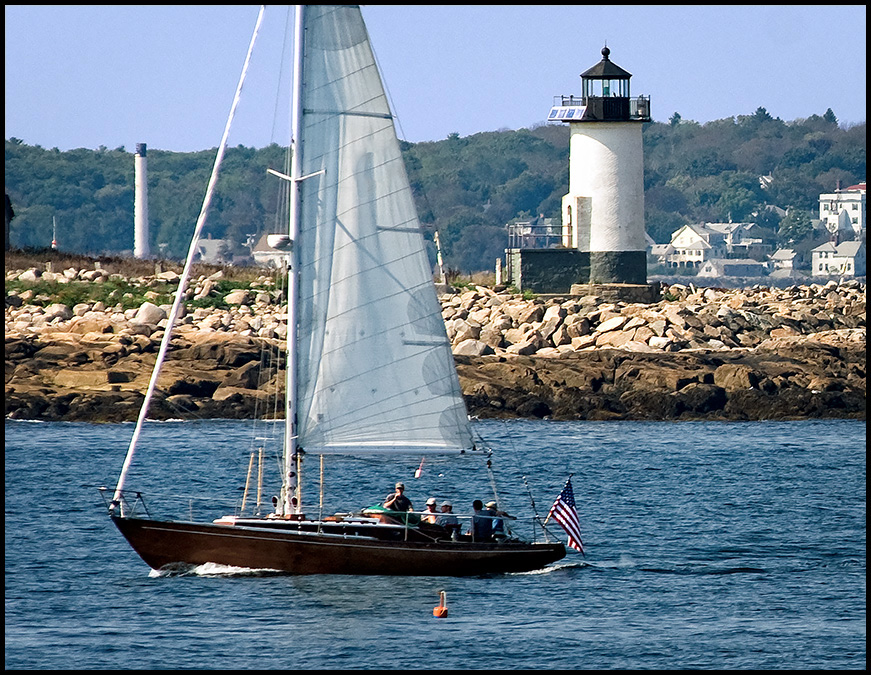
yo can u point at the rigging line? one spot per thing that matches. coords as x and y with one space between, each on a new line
519 461
179 297
287 26
531 499
390 102
492 476
269 367
256 413
276 403
489 450
168 495
272 393
372 258
523 477
397 122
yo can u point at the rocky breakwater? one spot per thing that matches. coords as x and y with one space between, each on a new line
92 362
697 354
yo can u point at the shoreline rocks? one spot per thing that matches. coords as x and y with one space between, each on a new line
756 353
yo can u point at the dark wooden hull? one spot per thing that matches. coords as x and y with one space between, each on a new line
168 544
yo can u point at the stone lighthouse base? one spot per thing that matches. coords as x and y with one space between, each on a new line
617 267
642 293
561 271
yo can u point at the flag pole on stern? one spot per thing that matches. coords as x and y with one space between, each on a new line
564 511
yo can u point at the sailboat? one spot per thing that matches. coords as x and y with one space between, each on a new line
369 365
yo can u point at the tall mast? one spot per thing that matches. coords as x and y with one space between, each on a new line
292 493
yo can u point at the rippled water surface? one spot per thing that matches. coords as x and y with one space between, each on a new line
709 545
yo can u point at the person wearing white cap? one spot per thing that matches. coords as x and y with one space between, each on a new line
398 501
430 514
497 522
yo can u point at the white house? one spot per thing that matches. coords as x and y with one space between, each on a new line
783 259
787 263
733 267
660 252
744 240
691 246
731 231
842 207
846 259
266 256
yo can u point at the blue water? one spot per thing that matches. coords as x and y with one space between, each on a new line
709 545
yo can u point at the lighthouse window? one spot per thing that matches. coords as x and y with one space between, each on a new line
606 88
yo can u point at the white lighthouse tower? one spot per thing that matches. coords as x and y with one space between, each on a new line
603 212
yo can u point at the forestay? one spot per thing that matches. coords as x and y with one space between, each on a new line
376 373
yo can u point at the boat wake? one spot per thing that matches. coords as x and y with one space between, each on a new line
212 570
556 567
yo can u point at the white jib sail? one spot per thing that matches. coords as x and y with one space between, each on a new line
376 373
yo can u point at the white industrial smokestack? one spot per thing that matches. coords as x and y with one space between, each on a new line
140 204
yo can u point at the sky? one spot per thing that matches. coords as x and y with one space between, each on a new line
83 76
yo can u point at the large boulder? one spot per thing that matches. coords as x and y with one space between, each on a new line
472 347
58 310
149 313
733 376
244 377
238 297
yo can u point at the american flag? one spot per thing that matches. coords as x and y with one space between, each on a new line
565 513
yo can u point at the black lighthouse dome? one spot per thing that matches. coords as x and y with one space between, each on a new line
606 93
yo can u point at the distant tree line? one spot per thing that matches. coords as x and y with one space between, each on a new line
466 188
732 168
90 195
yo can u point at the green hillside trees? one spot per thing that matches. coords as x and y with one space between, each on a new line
466 188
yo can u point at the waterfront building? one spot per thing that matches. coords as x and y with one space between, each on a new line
846 259
843 212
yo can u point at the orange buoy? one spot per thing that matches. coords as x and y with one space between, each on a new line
441 611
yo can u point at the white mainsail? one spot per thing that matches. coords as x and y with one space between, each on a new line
375 372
